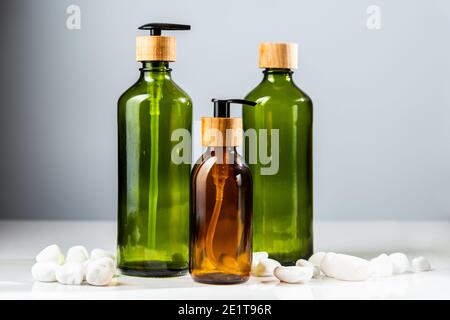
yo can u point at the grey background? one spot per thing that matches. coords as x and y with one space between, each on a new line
382 98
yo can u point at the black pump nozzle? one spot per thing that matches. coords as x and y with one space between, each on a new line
156 28
222 107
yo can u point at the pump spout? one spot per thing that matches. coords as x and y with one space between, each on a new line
222 107
156 28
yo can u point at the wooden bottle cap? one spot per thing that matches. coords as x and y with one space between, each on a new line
278 55
221 132
155 48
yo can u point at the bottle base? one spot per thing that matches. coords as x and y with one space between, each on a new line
220 278
288 260
287 263
156 269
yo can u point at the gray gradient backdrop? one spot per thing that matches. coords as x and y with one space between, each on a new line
382 98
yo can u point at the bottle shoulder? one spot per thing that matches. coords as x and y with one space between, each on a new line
131 91
181 91
143 89
206 162
266 91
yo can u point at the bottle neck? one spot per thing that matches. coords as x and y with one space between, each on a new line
222 149
155 69
278 76
224 155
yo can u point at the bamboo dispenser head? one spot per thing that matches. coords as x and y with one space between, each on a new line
156 47
278 55
221 130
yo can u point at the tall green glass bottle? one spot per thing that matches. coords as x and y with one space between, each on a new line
154 116
282 201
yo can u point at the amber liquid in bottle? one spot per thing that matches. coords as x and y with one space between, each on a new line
221 218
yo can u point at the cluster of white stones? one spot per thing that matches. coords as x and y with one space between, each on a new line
337 266
97 269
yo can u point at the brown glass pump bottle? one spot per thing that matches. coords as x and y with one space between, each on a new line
221 203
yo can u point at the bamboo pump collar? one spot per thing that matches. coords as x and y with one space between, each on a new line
221 130
156 47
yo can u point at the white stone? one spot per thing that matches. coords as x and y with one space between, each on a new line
51 253
71 273
77 254
325 263
420 264
400 262
85 265
308 264
345 267
265 267
381 266
100 271
316 258
100 253
44 271
293 274
258 256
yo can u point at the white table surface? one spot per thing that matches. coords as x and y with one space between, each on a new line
21 240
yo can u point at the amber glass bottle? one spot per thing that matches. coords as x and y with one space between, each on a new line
221 203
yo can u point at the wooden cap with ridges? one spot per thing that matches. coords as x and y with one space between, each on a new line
278 55
221 132
156 48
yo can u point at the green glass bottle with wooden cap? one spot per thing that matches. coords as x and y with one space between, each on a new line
281 157
154 129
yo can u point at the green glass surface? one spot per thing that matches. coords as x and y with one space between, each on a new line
282 203
153 208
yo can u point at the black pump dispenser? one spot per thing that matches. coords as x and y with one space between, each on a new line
156 28
155 47
222 107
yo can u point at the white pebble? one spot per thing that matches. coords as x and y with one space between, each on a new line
77 254
71 273
44 271
257 257
420 264
293 274
100 271
308 264
100 253
400 262
325 263
51 254
265 267
85 265
381 266
345 267
316 258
